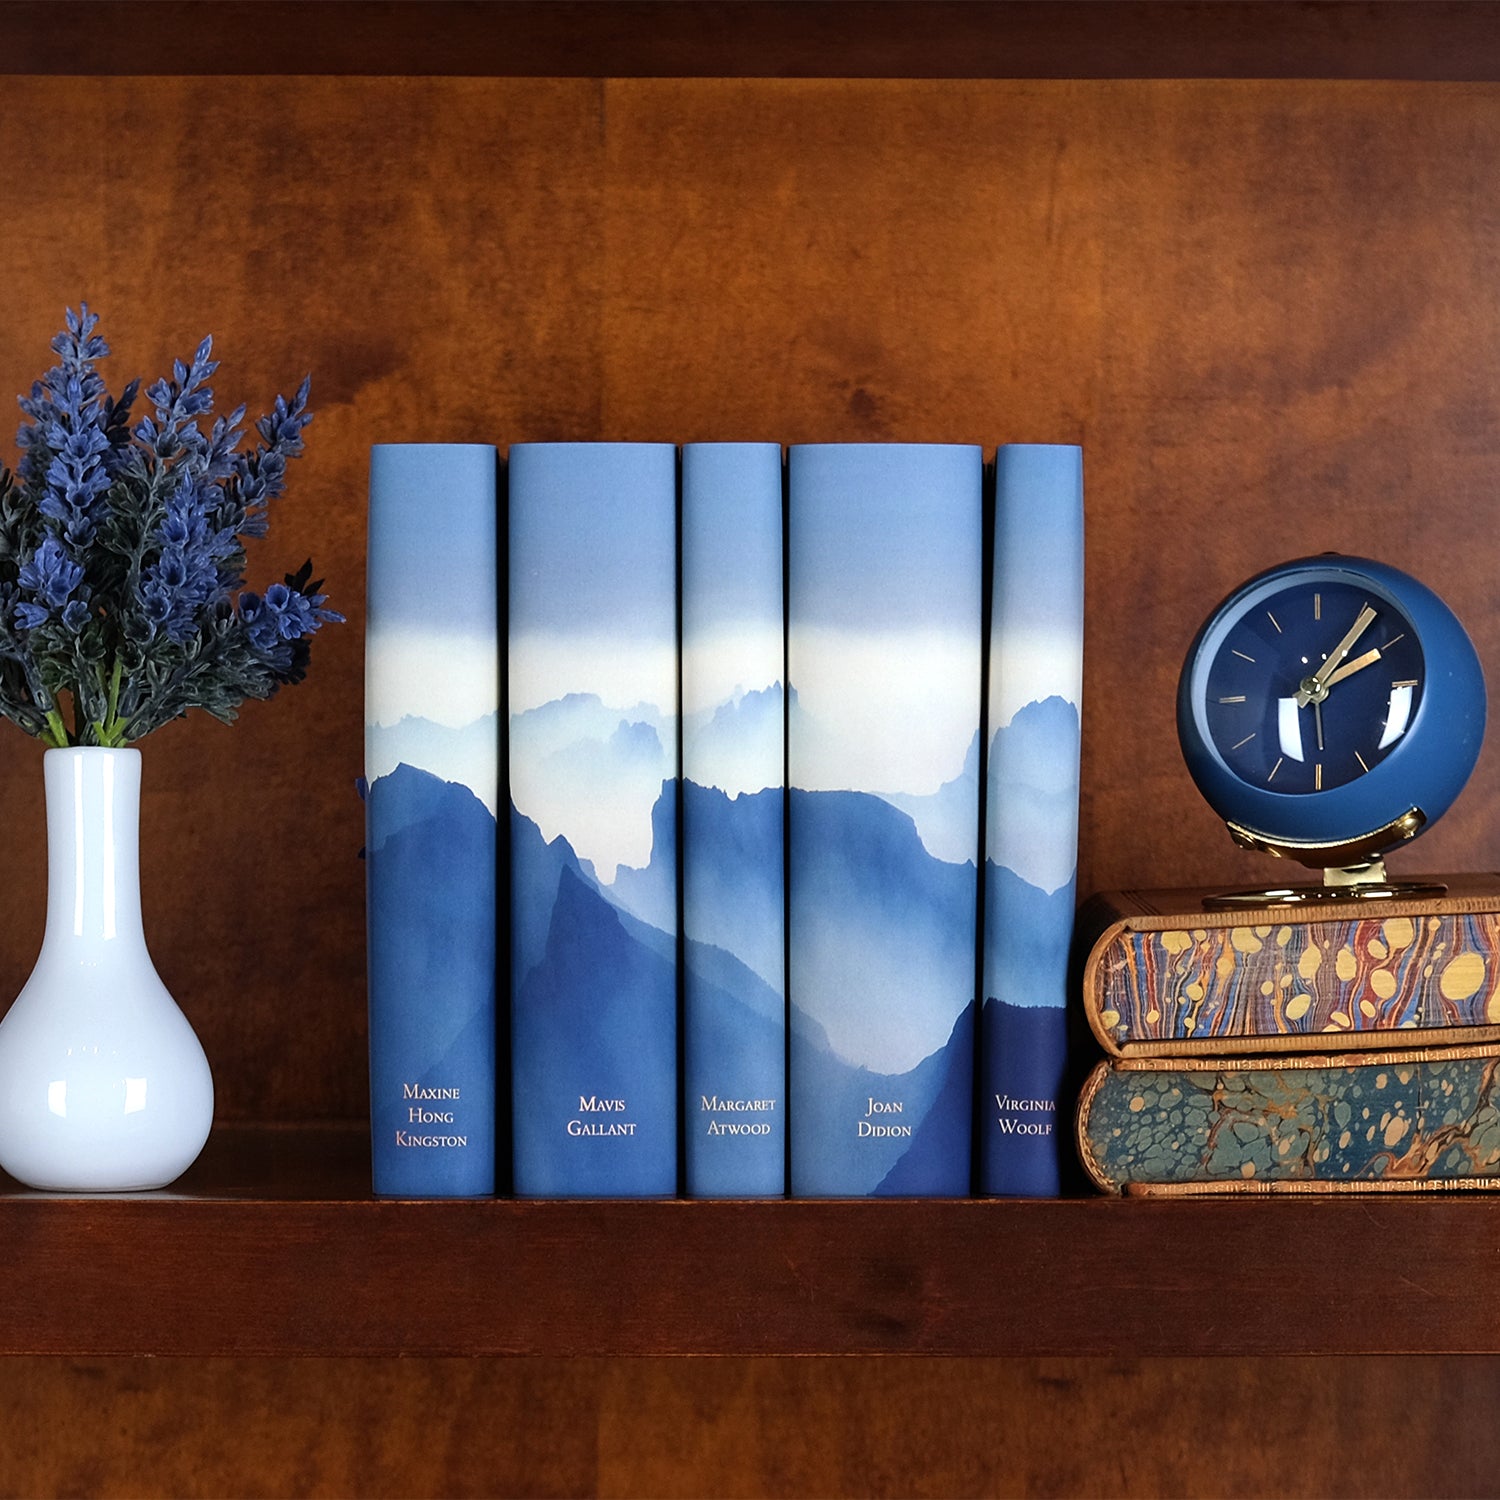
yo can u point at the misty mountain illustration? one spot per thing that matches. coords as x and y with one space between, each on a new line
551 727
431 848
734 1018
1028 933
735 1050
948 819
540 867
715 971
737 747
882 975
937 1160
594 1020
1033 793
593 773
829 1098
537 867
650 891
470 755
432 879
734 900
882 935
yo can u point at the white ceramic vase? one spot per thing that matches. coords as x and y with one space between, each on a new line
103 1085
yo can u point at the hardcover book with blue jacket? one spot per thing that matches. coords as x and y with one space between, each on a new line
432 687
733 856
885 568
593 767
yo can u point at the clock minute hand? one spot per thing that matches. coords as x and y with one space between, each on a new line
1314 686
1351 667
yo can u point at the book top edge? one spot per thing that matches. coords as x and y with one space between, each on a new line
1151 908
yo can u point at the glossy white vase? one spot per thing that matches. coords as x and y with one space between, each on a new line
103 1085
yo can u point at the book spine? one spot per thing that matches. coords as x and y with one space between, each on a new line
885 572
432 685
1325 1123
593 764
1034 689
733 857
1286 983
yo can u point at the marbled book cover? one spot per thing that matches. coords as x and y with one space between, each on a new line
1425 1118
733 854
432 691
885 571
592 713
1274 985
1031 811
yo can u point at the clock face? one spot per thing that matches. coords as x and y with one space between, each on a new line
1311 683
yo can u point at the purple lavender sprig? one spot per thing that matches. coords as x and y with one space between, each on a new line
260 477
64 445
122 552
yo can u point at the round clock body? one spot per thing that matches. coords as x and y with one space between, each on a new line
1331 708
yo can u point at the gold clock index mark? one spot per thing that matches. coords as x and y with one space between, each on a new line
1276 768
1242 656
1244 741
1410 682
1317 606
1362 763
1318 777
1277 623
1233 698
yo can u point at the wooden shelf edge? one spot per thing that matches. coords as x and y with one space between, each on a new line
1392 39
302 1261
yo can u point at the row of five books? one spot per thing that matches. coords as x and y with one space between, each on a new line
790 747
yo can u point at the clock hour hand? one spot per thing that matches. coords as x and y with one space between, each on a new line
1316 686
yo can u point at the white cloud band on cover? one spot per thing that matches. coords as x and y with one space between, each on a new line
448 678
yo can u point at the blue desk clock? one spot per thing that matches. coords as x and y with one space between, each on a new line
1329 710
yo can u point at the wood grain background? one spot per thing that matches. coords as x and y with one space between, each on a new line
1270 311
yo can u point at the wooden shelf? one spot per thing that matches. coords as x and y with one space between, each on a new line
272 1245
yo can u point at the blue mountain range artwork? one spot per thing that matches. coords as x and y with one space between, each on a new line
1033 789
948 819
732 745
596 1099
877 982
736 896
465 755
431 864
595 991
1030 895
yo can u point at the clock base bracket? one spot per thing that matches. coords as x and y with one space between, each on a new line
1348 855
1352 871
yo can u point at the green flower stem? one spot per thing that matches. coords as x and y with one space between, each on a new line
57 735
110 732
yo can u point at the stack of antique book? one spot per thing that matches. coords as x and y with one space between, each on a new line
1343 1046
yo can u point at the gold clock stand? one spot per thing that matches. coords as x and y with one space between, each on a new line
1352 871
